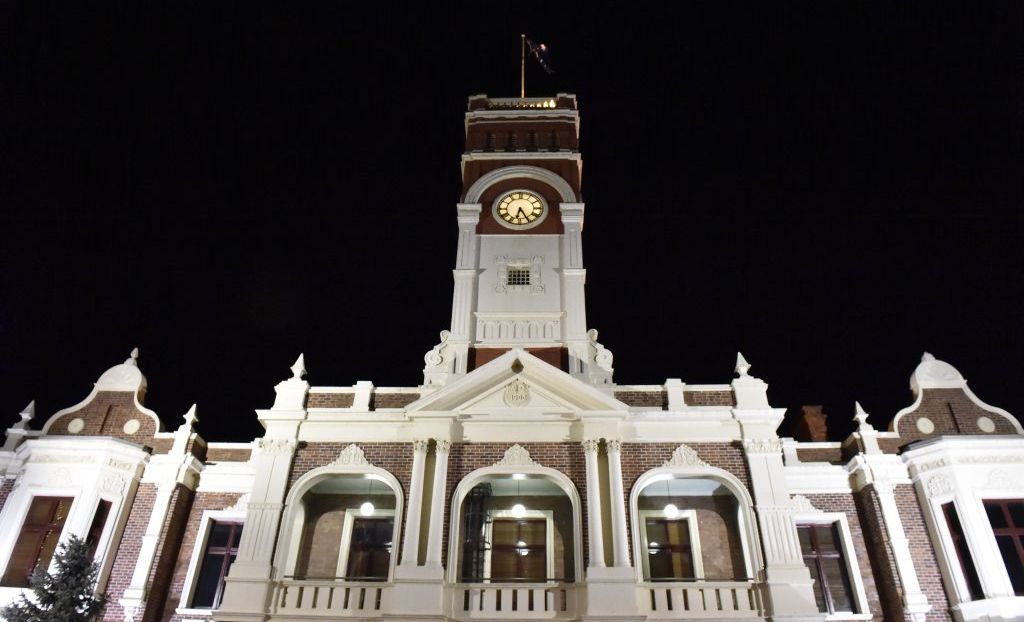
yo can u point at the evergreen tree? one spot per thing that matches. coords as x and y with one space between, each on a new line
66 595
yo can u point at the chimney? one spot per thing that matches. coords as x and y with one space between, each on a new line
811 426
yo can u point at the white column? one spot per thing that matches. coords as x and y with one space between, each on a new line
437 505
411 544
594 530
618 504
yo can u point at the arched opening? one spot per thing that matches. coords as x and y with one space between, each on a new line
516 528
691 528
345 527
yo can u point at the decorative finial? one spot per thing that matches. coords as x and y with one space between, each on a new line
927 356
860 416
190 416
28 413
133 358
299 368
742 366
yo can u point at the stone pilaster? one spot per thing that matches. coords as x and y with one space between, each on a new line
618 504
435 532
594 529
411 542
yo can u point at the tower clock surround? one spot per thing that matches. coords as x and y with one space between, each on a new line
520 209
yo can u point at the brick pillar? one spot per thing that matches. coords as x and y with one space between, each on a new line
883 472
175 477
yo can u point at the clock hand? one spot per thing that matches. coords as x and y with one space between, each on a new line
520 213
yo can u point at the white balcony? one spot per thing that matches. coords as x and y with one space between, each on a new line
522 601
330 599
700 599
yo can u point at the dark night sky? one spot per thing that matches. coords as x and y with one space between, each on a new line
831 188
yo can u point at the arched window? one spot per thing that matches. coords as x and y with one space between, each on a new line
691 528
344 526
516 528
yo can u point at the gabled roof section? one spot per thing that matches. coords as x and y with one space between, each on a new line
517 381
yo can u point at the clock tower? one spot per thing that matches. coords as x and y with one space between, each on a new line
519 275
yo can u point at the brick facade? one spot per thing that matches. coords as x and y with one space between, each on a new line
106 415
638 458
567 458
845 504
202 501
395 458
951 413
128 551
923 552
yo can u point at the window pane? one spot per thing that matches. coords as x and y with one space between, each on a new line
838 584
1013 564
209 581
1016 513
962 552
996 518
369 556
668 550
827 542
219 535
38 539
804 532
819 594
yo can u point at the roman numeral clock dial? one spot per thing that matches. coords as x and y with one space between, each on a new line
520 209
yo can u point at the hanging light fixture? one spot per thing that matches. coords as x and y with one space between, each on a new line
518 510
671 511
367 509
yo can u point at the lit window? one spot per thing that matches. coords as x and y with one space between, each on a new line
673 548
221 550
1007 519
823 553
516 528
37 540
345 529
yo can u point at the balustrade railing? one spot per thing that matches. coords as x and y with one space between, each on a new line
478 601
700 599
330 598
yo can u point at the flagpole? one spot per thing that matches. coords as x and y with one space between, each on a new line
522 66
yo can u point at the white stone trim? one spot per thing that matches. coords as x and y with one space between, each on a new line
696 553
294 516
462 489
198 550
549 538
749 538
805 517
88 469
519 171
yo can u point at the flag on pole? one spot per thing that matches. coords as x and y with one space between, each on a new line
540 52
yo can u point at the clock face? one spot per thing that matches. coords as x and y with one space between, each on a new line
520 208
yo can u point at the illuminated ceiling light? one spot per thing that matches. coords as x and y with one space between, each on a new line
519 476
518 510
366 509
671 511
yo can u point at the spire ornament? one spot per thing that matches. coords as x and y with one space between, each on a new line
742 366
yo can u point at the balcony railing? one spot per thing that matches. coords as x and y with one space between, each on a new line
311 597
534 601
700 599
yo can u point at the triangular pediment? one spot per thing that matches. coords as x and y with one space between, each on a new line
517 382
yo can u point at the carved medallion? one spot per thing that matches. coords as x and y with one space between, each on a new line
517 393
